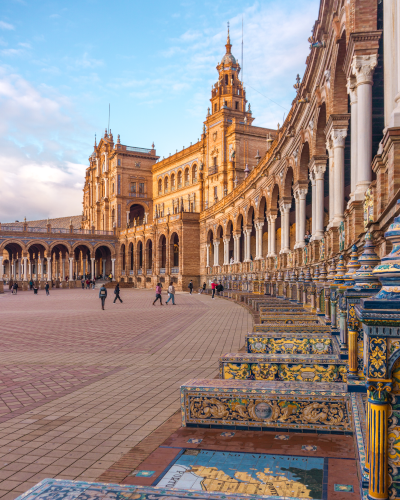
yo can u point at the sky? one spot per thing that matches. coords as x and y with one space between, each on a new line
154 62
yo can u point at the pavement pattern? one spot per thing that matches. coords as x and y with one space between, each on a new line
80 387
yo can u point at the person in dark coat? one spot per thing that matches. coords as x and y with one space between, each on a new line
103 296
15 287
116 291
190 286
46 287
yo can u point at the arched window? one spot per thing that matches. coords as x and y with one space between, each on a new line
166 185
215 108
173 181
226 79
186 176
159 186
113 188
194 174
180 178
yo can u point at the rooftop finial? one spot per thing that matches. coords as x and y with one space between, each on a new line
95 141
228 42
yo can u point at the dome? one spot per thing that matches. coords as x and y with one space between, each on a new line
228 59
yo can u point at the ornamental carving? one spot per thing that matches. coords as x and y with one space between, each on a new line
363 68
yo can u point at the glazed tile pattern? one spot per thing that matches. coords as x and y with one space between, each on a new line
360 430
266 405
278 328
299 367
290 319
289 343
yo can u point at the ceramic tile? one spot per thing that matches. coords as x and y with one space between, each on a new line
194 441
309 447
227 434
344 487
143 473
282 437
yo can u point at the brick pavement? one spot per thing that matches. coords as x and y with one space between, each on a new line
79 387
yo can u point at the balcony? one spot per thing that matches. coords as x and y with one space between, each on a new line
187 183
175 270
162 270
149 271
140 271
123 272
179 185
133 194
213 170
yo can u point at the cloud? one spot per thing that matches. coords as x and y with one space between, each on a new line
39 145
88 62
6 26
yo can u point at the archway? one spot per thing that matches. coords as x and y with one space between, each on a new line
139 250
136 213
149 256
59 261
82 262
175 252
163 253
14 270
102 262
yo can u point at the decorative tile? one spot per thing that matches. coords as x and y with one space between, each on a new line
348 488
194 441
143 473
282 437
309 447
227 434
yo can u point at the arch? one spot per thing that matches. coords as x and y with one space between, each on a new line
262 208
81 245
239 222
44 244
320 138
175 249
130 256
105 245
288 183
179 177
229 227
210 235
166 184
339 81
304 162
139 252
194 173
220 232
274 198
60 242
149 254
123 256
136 212
102 254
250 216
162 246
13 241
173 184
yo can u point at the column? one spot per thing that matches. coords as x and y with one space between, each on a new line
297 217
352 341
127 217
113 267
391 65
247 251
329 147
1 268
302 215
236 239
13 269
62 269
226 250
30 269
92 269
352 91
319 171
338 139
19 269
84 268
313 203
273 235
71 268
25 269
363 68
259 228
208 248
377 438
216 252
48 268
104 268
285 230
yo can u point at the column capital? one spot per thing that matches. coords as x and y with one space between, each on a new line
285 207
319 170
339 137
363 68
352 89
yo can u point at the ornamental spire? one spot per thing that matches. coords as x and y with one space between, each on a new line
228 42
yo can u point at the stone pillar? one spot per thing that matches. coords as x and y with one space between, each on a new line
338 139
127 217
216 252
19 269
363 68
226 250
247 234
1 268
377 439
62 269
104 268
49 268
30 269
259 228
113 268
236 242
208 248
41 269
391 65
352 91
297 217
92 267
329 147
313 203
25 269
285 229
84 268
319 171
272 235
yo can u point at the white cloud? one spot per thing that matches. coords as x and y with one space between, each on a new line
6 26
39 144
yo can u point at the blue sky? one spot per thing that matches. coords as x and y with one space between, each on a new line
62 63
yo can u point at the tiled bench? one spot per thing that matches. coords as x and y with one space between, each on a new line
289 319
290 343
286 309
268 328
298 367
260 405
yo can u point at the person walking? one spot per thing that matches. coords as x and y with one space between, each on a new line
46 287
213 287
103 296
158 294
190 286
116 291
35 290
83 283
171 291
31 285
87 284
203 288
15 287
94 283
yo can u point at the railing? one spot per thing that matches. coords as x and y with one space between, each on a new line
105 233
175 270
137 150
149 271
12 228
59 230
36 229
162 270
123 272
140 271
137 195
82 231
131 272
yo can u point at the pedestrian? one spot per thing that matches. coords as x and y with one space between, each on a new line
190 286
220 288
66 278
116 291
158 294
87 284
103 296
203 288
83 283
35 290
15 286
110 277
46 287
213 287
31 285
94 283
171 292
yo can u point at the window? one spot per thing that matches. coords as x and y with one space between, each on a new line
215 108
180 178
194 174
133 187
187 176
160 186
166 184
119 162
172 181
226 79
141 187
113 188
215 161
215 192
236 105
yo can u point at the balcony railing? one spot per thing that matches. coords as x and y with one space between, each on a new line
36 229
175 270
82 231
149 271
131 272
140 271
137 195
162 270
179 185
105 233
213 170
123 272
59 230
137 150
12 228
187 183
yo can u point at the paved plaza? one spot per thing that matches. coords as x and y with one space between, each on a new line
80 387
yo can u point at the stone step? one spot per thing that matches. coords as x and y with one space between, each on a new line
290 343
267 328
263 405
64 489
281 367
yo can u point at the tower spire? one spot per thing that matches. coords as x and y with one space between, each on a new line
228 42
